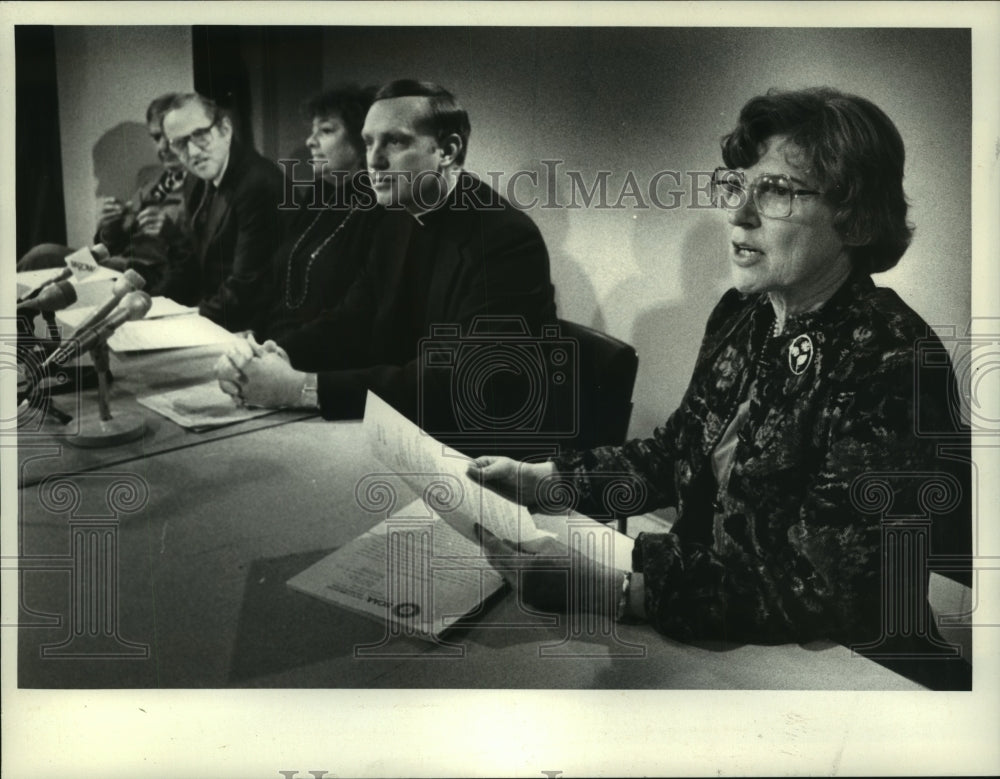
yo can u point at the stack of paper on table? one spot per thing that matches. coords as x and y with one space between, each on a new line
168 325
201 407
92 290
414 570
422 568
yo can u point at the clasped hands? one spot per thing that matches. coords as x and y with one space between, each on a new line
260 375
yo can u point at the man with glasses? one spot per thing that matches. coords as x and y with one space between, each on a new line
234 214
149 231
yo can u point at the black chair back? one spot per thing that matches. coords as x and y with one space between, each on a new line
605 378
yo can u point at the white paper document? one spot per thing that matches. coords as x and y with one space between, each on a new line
422 568
201 407
161 307
422 460
90 291
174 332
413 570
167 325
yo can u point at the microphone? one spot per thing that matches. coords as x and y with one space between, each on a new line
128 282
64 274
54 298
135 305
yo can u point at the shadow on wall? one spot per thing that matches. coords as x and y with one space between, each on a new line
576 298
121 155
667 334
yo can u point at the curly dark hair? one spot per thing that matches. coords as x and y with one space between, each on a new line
350 103
854 150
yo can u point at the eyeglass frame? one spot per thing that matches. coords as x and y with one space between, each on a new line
201 137
793 193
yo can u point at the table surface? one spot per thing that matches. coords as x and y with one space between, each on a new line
196 545
45 445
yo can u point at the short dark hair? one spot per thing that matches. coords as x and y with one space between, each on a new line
349 102
853 149
446 116
212 110
159 106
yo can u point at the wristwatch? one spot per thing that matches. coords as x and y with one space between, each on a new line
310 396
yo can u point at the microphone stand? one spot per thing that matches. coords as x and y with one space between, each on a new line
104 429
102 364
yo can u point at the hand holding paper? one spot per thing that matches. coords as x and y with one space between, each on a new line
514 480
402 446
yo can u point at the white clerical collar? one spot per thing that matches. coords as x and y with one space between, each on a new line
445 199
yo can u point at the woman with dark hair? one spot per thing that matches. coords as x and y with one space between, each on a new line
796 443
317 263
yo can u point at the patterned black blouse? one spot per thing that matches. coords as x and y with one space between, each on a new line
836 438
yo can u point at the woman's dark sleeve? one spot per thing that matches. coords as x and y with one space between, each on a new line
612 482
824 578
618 481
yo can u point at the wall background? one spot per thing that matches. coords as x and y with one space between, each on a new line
596 99
106 78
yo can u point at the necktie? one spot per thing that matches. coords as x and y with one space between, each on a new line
169 181
201 212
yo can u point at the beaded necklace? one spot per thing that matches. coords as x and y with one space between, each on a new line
312 258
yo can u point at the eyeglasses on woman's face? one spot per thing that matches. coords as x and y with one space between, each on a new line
772 194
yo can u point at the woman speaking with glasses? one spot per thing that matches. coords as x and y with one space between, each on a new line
794 459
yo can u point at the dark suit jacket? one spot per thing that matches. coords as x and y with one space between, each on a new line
227 269
475 256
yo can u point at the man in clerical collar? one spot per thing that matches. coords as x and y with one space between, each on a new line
416 136
233 208
443 252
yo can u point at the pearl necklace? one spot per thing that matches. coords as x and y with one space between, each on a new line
312 258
